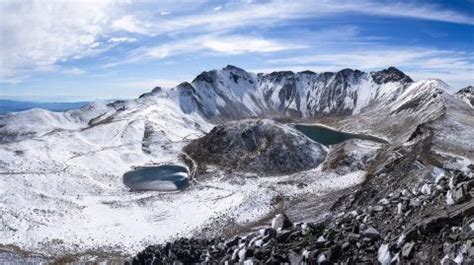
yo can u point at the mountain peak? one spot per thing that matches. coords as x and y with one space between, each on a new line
468 89
347 72
467 95
206 76
391 74
307 72
230 67
185 85
155 91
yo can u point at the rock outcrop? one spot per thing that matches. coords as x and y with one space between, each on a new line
258 146
467 95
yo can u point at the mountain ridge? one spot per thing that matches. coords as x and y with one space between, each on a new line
233 93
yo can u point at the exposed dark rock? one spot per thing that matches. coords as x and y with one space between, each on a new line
257 146
461 194
467 94
390 74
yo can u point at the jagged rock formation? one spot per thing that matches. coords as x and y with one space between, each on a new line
258 146
234 93
467 95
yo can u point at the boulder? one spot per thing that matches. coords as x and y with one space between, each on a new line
281 221
371 233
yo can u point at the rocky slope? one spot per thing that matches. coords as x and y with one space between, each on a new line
407 211
467 95
258 146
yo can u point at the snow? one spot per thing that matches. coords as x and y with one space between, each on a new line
384 254
438 174
449 198
321 258
426 189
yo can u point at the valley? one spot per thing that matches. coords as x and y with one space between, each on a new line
390 149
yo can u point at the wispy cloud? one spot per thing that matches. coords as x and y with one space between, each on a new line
74 71
58 32
231 45
260 14
146 84
131 24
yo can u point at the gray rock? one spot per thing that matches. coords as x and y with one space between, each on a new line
371 233
280 222
407 250
378 208
461 195
345 246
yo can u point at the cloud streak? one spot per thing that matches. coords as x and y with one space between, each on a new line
247 14
40 37
227 45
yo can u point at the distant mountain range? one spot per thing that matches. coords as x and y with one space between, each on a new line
7 106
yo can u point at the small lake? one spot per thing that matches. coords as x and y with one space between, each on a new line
327 136
157 178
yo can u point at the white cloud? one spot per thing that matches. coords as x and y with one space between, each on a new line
148 84
36 34
241 44
131 24
234 44
121 39
73 71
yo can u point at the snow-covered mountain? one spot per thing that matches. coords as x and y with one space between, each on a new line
467 95
60 173
234 93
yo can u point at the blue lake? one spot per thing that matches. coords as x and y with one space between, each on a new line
327 136
157 178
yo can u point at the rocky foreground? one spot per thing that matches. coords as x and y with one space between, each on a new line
408 211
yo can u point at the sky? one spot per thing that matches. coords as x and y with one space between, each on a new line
59 50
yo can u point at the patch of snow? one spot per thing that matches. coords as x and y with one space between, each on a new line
384 255
449 198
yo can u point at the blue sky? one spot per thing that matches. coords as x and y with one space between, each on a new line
88 49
